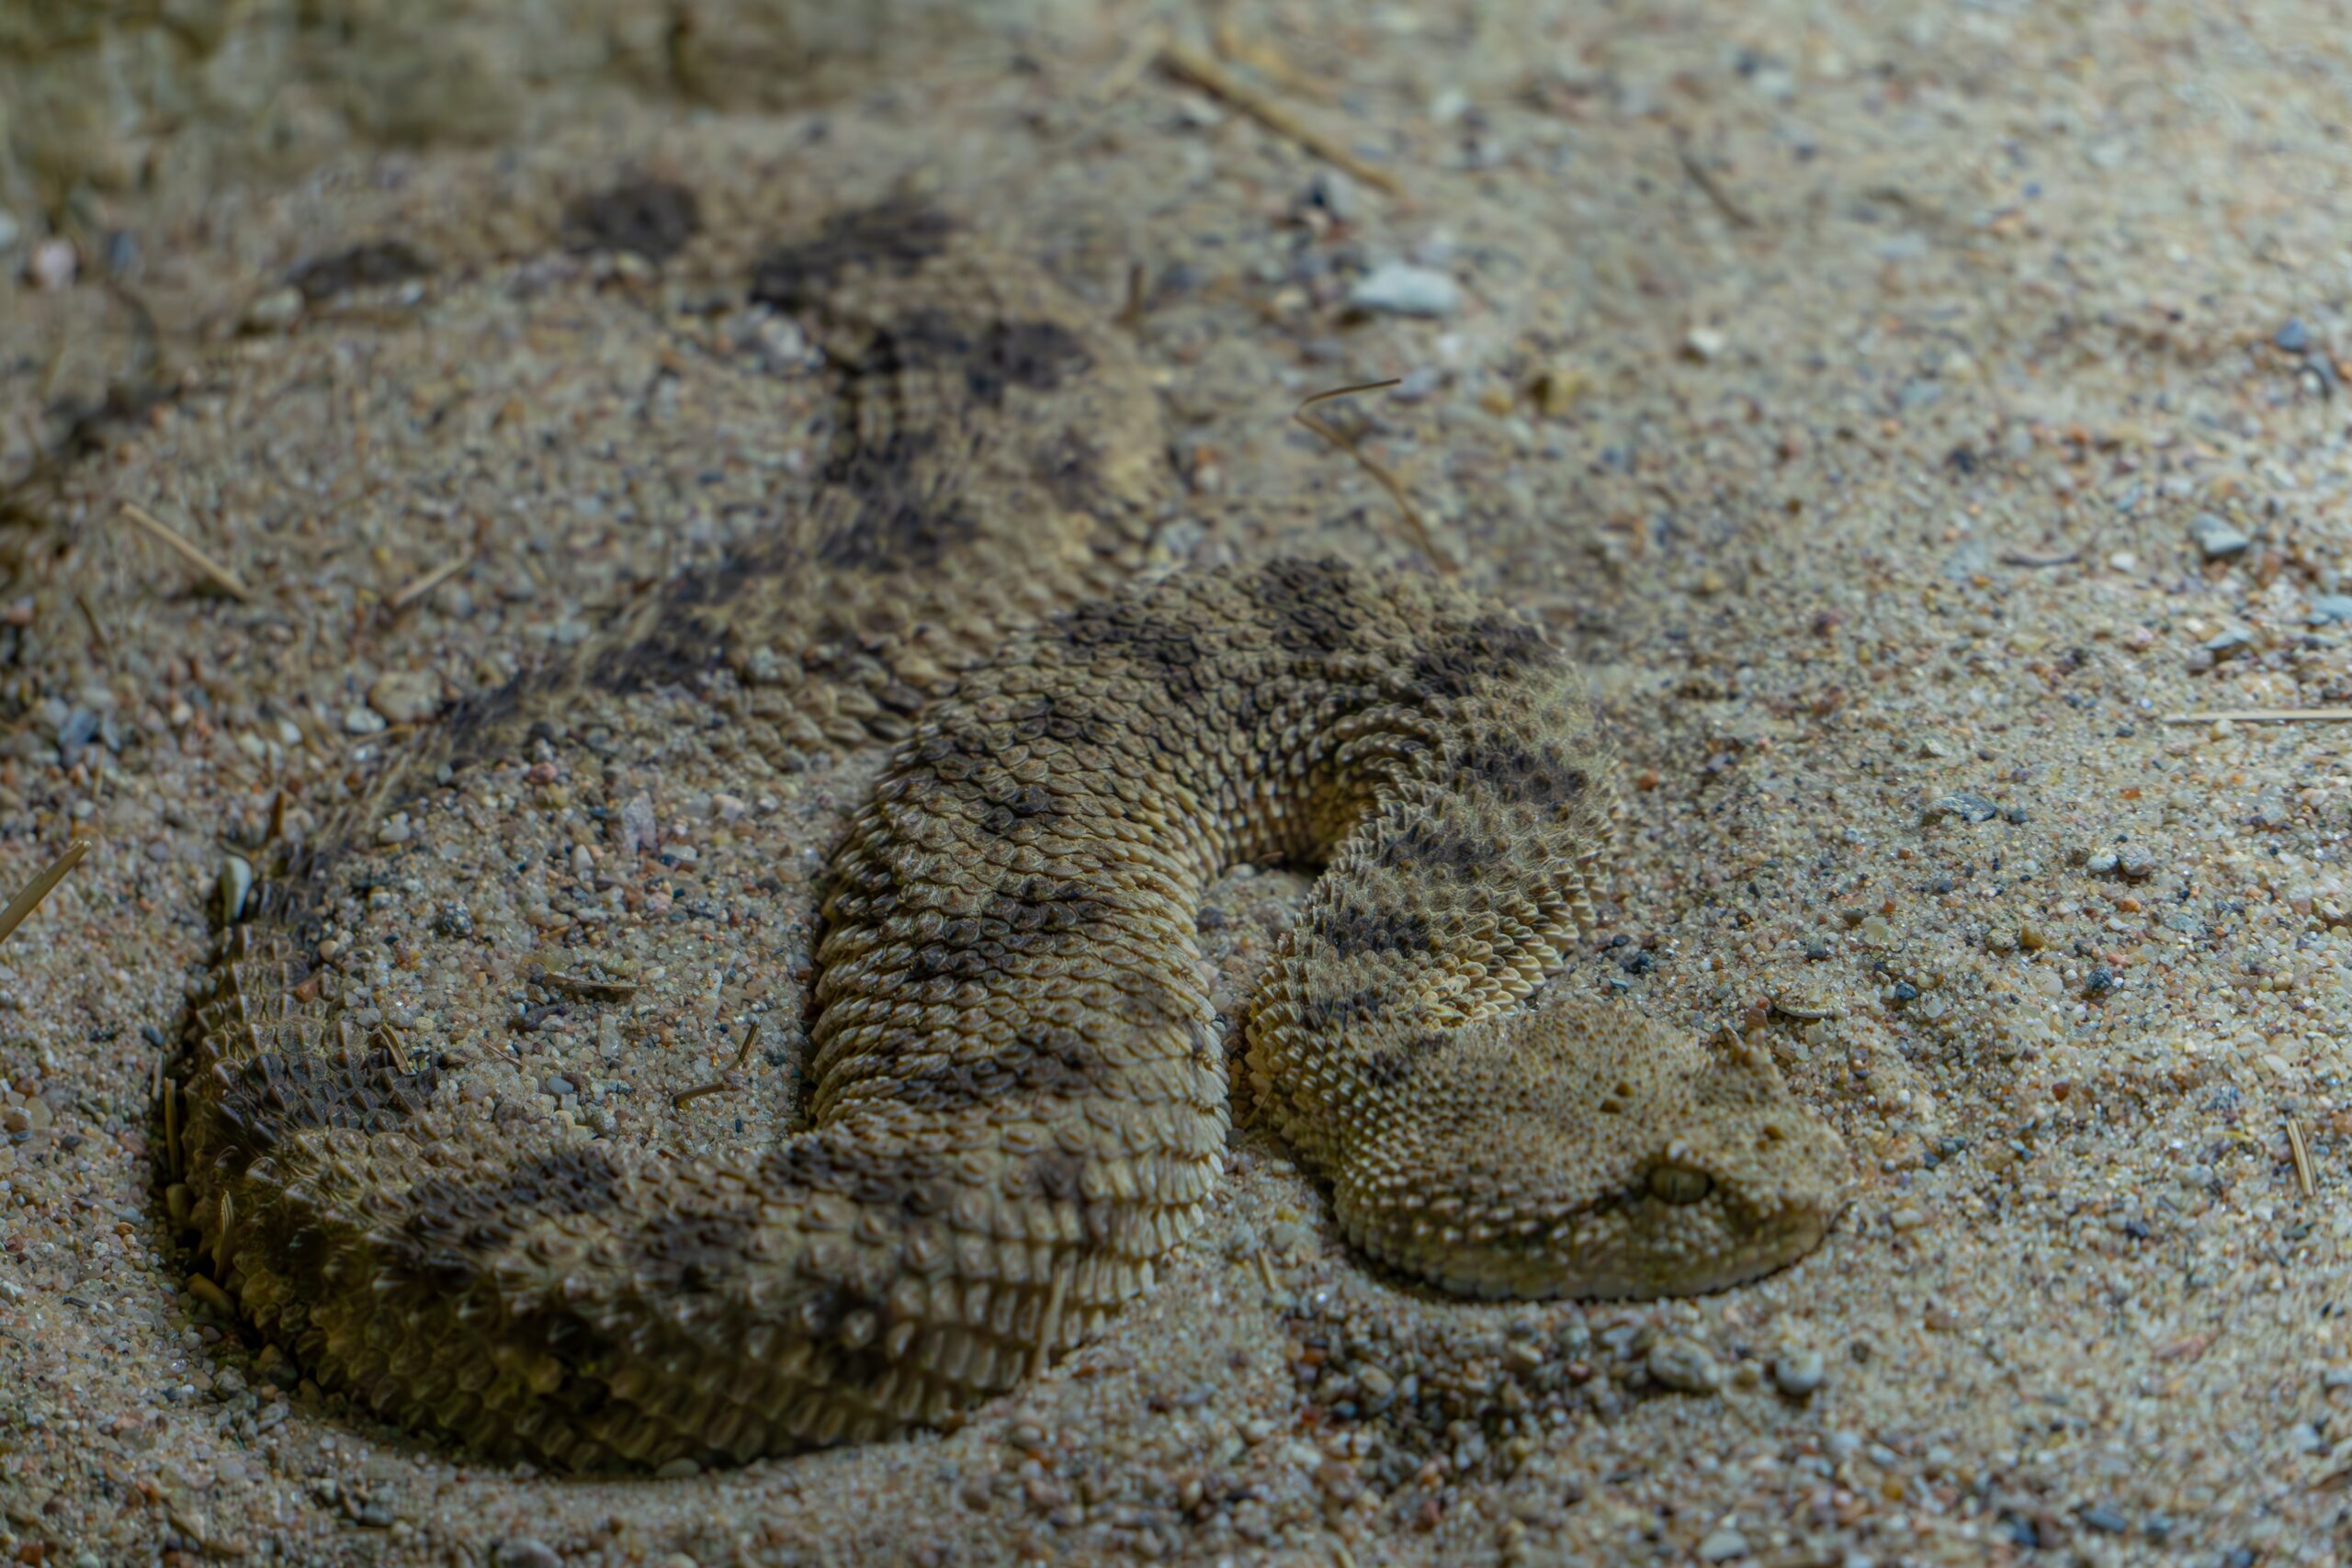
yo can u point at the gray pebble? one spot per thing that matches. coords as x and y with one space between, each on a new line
1798 1372
363 721
2294 337
2218 538
1418 384
2105 1518
2221 645
1335 194
525 1551
636 830
405 696
1683 1364
1721 1546
73 737
1403 290
2135 862
1967 808
2332 607
1972 558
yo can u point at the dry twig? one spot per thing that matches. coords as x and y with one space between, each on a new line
1705 180
29 898
419 587
1207 74
2305 1177
1129 69
221 577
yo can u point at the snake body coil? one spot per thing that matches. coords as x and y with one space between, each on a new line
1018 1098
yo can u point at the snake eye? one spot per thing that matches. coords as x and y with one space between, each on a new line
1678 1184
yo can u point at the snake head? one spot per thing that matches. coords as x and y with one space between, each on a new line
1578 1149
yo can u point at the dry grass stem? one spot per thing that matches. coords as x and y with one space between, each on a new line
221 576
419 587
1701 177
1210 76
1129 69
2305 1177
1388 481
1233 45
2264 715
29 897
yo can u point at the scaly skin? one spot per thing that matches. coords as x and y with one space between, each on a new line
1018 1100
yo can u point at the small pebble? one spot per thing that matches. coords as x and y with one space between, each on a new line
2218 538
1721 1546
1703 344
363 721
274 311
1403 290
2105 1518
2331 608
1967 808
52 264
1683 1364
405 696
637 830
2294 337
1333 192
525 1551
1798 1374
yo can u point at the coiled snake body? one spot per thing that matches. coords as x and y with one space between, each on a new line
1019 1099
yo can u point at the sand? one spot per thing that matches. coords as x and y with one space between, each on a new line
1904 418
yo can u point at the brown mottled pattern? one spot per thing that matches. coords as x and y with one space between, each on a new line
1018 1101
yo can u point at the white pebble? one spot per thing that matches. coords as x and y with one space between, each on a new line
52 266
1404 290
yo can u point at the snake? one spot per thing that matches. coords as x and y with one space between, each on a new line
1018 1097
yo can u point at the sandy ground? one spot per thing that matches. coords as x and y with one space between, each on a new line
1902 417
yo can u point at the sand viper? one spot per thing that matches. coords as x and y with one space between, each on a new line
1018 1097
